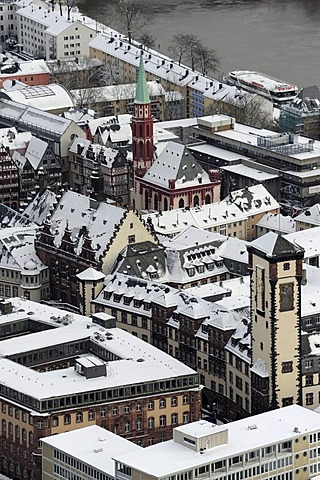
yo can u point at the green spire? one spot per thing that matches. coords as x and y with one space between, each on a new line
142 94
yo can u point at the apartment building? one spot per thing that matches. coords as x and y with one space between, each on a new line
61 372
83 233
22 274
278 445
201 449
98 170
122 59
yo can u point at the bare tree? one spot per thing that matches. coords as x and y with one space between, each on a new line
246 109
190 49
85 98
147 39
132 15
207 60
179 46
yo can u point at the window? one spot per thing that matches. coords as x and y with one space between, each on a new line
114 410
151 422
127 409
103 412
139 424
185 400
174 419
131 238
150 405
67 419
55 421
127 427
287 367
309 399
174 401
162 403
309 380
91 415
79 417
139 407
308 364
185 417
163 420
286 266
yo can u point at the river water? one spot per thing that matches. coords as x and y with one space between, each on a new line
278 37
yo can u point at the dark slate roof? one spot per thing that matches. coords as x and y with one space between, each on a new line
142 260
273 245
11 218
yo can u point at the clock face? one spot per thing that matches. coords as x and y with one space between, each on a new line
286 297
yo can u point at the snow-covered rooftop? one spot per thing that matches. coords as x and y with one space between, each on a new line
175 162
253 200
93 445
241 438
279 222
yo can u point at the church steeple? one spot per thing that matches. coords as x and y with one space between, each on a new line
142 93
142 126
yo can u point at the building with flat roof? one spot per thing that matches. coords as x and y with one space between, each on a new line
246 448
280 444
60 372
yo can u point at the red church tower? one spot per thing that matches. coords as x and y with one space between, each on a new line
142 126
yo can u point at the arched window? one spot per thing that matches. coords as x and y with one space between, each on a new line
151 422
181 203
207 199
140 130
17 433
31 438
165 204
148 130
4 427
163 420
10 428
146 200
141 150
149 150
24 435
195 200
67 419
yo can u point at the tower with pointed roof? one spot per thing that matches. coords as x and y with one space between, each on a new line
276 274
142 126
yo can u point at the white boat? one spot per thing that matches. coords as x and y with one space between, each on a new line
276 90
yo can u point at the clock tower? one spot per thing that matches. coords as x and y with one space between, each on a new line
276 273
142 126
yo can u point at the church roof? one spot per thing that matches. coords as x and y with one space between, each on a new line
273 244
176 162
142 93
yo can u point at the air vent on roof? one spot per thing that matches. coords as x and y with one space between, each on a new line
252 427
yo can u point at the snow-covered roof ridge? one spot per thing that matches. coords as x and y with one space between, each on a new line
177 163
77 212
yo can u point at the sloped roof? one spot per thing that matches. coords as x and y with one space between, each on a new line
77 213
11 218
176 162
273 244
40 207
142 93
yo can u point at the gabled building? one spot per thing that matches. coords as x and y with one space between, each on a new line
176 180
308 218
82 233
22 273
99 171
62 371
191 259
254 201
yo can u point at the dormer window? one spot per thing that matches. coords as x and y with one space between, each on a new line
137 303
126 300
210 266
107 295
191 271
146 306
200 268
116 297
